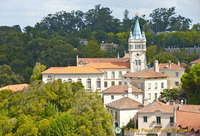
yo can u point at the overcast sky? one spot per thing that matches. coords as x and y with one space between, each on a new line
28 12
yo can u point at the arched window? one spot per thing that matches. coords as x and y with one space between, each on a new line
89 83
136 62
98 83
139 62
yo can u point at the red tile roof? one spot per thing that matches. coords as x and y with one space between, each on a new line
89 60
108 65
15 88
121 89
72 70
125 104
146 73
157 106
166 66
188 119
195 61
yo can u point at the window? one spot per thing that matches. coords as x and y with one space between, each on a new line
49 77
69 80
113 83
106 75
156 85
112 97
162 85
171 119
120 74
120 83
138 85
98 83
139 62
79 80
136 95
176 83
115 114
81 62
156 96
158 120
125 83
136 62
88 83
177 74
149 85
149 94
168 134
145 118
163 73
111 111
113 75
105 84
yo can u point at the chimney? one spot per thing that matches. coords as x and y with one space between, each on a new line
170 64
129 90
156 66
179 63
77 60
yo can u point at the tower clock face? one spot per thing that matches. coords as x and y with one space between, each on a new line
137 54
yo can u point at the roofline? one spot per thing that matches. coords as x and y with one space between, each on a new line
121 93
71 73
123 108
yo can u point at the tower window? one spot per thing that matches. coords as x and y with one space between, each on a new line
139 62
136 62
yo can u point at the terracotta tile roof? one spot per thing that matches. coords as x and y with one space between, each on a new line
146 73
125 104
15 88
195 61
188 119
72 70
166 66
192 108
89 60
157 106
121 89
123 65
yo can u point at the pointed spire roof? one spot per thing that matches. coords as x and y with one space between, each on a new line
137 32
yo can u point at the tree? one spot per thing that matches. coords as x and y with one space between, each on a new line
8 77
164 57
37 72
191 85
169 95
63 125
151 53
93 50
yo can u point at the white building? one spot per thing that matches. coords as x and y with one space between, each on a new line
195 62
117 92
150 82
173 72
123 110
91 78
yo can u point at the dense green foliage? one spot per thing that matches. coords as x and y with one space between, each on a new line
191 84
52 40
54 109
170 95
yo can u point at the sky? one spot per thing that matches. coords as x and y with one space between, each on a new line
29 12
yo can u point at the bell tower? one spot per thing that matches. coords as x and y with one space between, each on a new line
137 48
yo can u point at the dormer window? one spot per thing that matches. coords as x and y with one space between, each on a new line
81 62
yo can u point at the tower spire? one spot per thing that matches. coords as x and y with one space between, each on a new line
137 32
